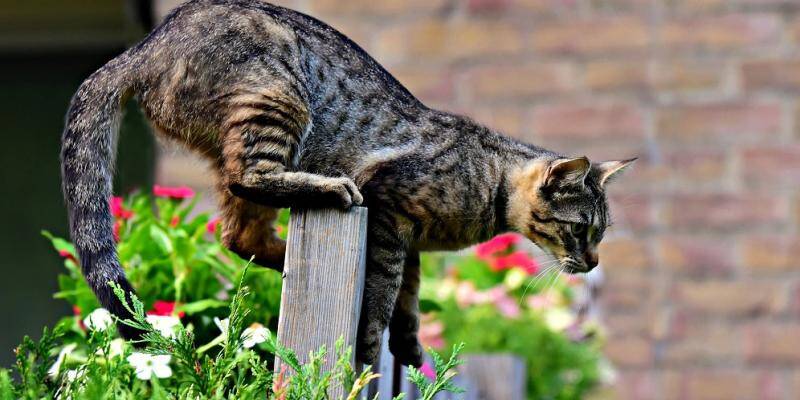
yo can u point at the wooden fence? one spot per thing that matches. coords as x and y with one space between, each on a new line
323 286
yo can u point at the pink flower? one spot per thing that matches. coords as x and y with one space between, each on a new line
519 259
467 295
497 244
504 303
69 256
428 371
164 309
118 210
430 332
539 302
176 193
211 226
175 221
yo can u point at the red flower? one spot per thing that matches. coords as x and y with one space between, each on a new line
519 259
76 311
177 193
497 244
164 309
174 221
118 210
211 226
69 256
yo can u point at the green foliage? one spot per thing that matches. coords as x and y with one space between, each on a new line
516 311
236 372
444 374
216 344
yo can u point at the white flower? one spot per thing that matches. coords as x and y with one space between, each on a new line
558 319
165 325
253 335
74 374
98 320
66 350
222 324
115 348
147 365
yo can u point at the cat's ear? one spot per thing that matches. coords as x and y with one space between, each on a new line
608 169
567 171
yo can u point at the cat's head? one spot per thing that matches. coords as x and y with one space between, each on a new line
560 204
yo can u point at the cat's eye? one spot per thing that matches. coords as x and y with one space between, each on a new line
579 229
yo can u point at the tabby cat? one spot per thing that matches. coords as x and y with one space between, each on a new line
291 113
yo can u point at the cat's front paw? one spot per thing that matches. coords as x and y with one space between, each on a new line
407 350
344 191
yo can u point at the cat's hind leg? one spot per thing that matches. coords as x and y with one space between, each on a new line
259 148
248 230
404 325
386 254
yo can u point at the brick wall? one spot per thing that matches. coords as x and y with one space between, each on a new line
702 299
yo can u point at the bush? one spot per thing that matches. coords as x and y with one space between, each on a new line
188 295
195 291
501 292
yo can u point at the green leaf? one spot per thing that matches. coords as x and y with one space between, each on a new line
428 305
161 239
201 305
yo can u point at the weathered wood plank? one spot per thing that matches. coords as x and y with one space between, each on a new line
495 376
323 280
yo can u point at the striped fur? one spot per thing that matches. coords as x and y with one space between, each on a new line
291 113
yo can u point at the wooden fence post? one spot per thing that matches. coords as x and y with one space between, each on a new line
323 281
495 376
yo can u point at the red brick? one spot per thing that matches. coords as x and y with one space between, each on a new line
627 292
635 383
773 74
774 253
433 39
428 84
731 298
625 253
722 385
516 82
774 343
384 8
615 75
591 36
725 212
631 351
705 344
697 256
581 122
721 33
633 213
773 168
719 122
509 120
690 168
687 75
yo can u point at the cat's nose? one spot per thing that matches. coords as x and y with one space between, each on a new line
592 258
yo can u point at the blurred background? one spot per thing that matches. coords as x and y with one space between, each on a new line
701 297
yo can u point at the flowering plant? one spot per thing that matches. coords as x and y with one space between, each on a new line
500 291
206 336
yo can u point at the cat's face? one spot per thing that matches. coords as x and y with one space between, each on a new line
561 206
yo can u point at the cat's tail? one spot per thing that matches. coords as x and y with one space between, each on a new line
88 150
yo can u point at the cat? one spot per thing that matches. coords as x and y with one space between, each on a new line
291 113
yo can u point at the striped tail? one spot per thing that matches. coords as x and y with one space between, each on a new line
88 147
